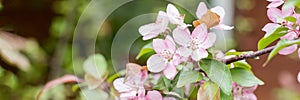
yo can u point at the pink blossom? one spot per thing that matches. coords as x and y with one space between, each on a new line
135 75
152 30
275 3
243 93
268 28
130 92
277 16
194 45
166 58
175 17
133 84
290 49
203 11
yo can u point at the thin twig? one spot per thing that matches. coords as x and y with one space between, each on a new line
249 56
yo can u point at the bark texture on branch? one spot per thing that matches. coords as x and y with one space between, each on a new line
248 56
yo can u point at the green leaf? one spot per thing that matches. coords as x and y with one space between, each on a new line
290 19
162 84
193 92
95 65
176 78
245 77
237 53
271 37
219 73
111 78
280 45
224 96
187 77
146 50
242 64
209 91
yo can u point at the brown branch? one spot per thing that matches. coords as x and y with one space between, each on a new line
249 56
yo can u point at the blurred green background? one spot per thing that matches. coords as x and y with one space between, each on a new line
37 35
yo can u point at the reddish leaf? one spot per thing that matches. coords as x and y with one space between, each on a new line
64 79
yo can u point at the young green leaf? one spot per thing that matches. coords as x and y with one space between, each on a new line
95 65
237 53
162 84
242 64
224 96
219 73
209 91
271 37
280 45
290 19
187 77
245 77
146 50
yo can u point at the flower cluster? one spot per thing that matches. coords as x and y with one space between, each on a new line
285 17
179 50
184 45
171 50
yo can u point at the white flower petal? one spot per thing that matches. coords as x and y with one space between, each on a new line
172 10
156 63
288 50
159 45
174 15
199 54
182 37
170 44
128 95
162 20
275 4
200 32
150 36
170 71
120 86
201 10
209 41
153 95
150 30
223 27
274 15
183 51
270 27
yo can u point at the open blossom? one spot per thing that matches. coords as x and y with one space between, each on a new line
152 30
275 3
175 17
166 58
243 93
136 75
194 45
129 92
132 86
213 18
277 16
